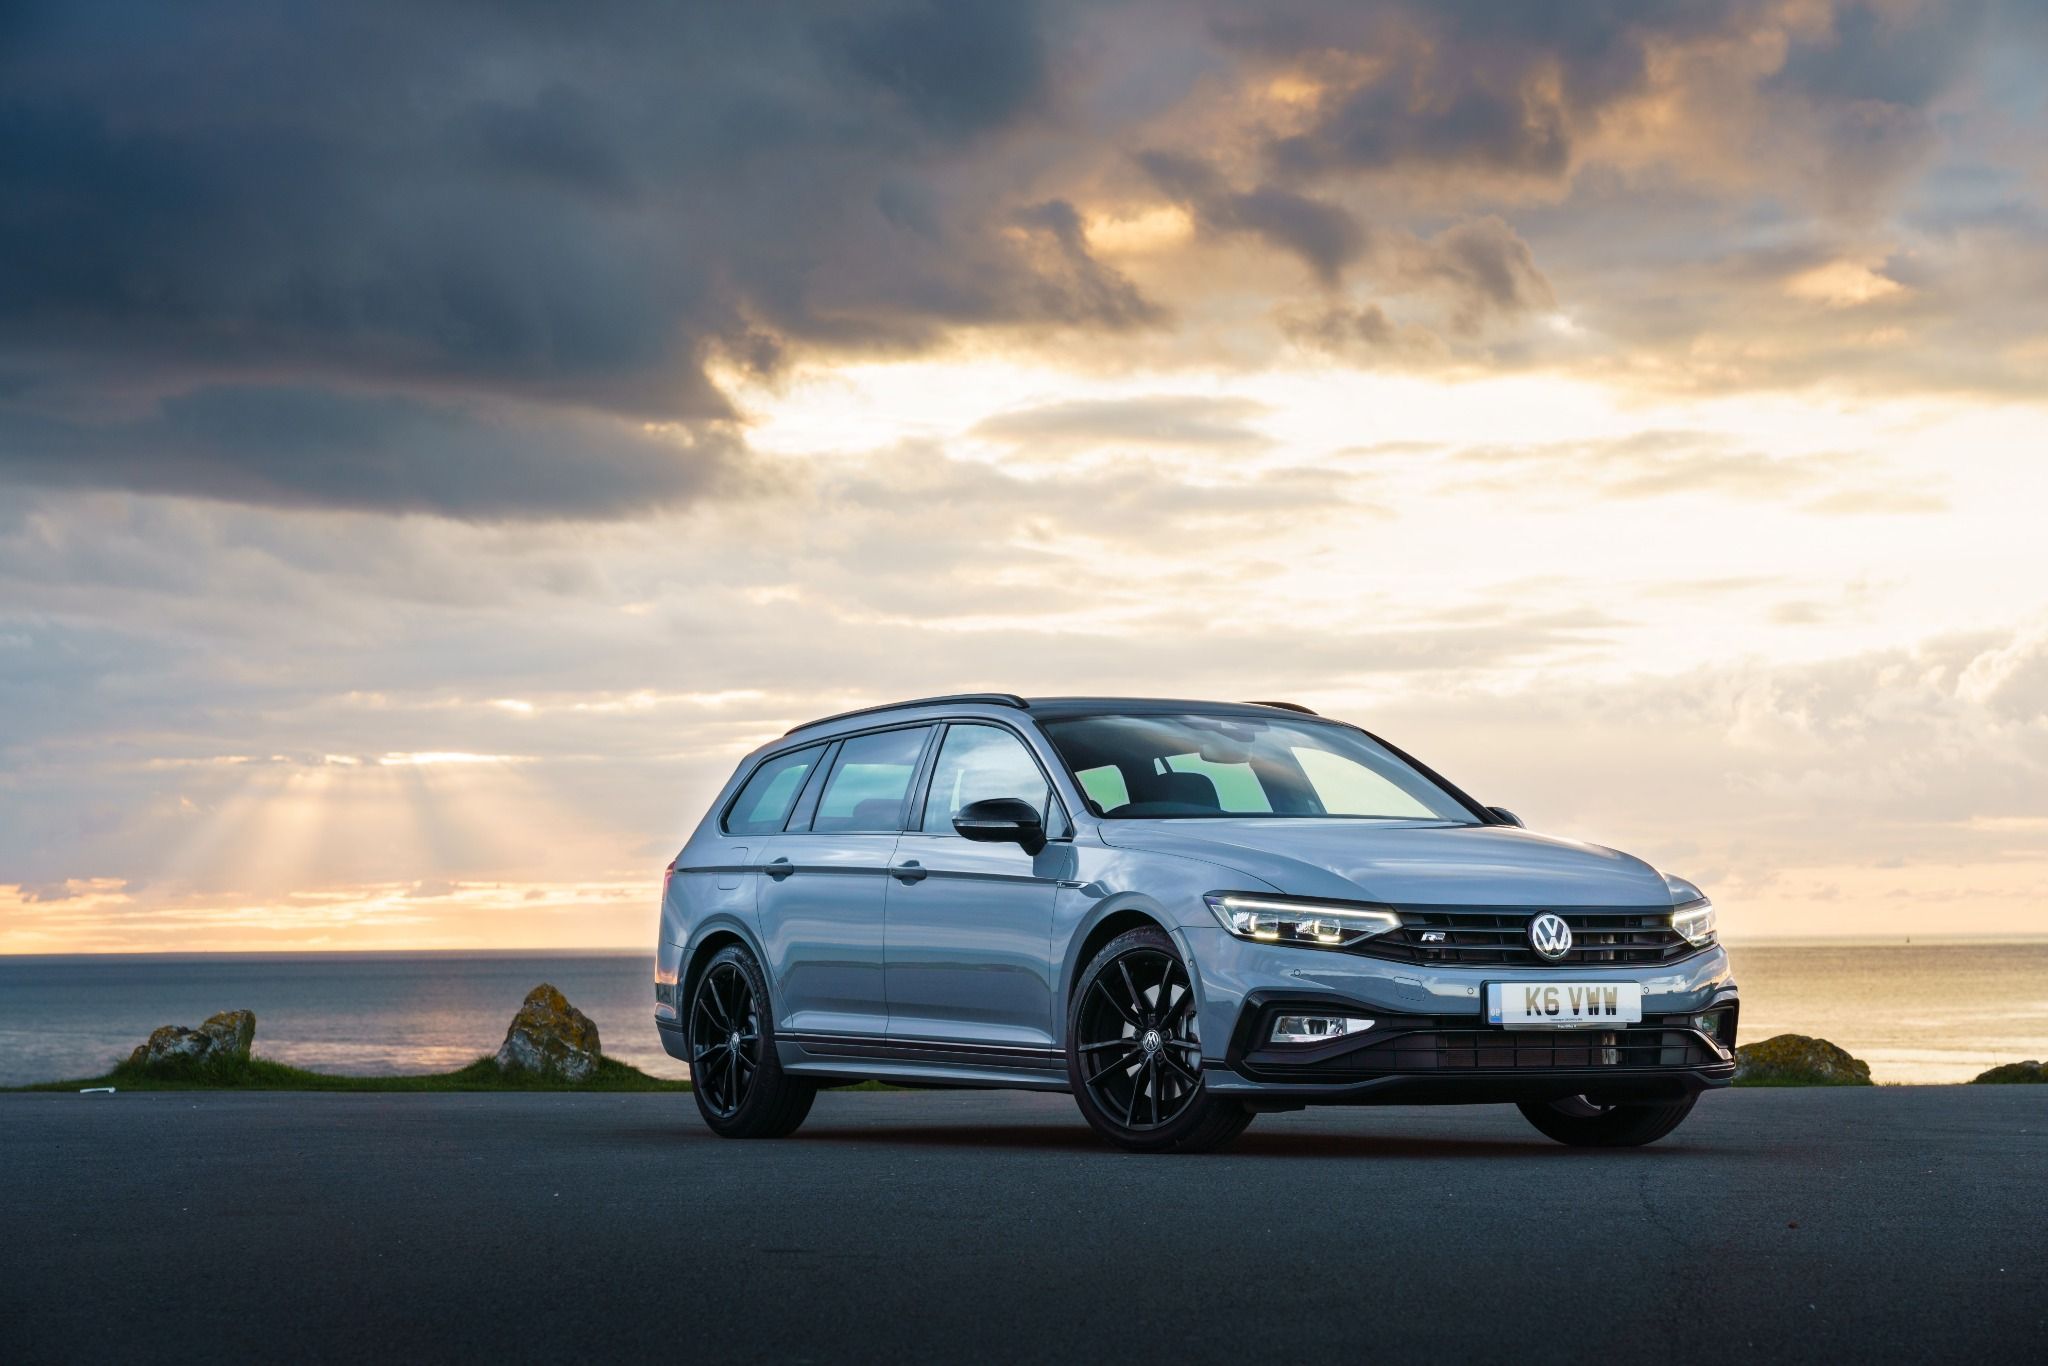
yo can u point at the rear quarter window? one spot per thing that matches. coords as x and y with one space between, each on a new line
764 802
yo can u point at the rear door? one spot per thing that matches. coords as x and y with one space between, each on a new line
970 925
823 887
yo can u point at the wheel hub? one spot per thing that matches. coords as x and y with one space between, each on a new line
1136 1040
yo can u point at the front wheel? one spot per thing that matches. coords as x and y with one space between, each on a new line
740 1087
1134 1052
1585 1123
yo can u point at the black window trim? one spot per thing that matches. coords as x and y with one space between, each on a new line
920 781
924 778
931 728
806 804
732 802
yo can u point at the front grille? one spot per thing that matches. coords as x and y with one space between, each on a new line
1497 1049
1482 935
1439 1050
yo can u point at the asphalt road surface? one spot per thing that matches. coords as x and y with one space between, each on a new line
1892 1224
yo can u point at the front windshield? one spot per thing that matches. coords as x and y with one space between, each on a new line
1165 767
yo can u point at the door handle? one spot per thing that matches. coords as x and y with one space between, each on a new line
910 870
779 868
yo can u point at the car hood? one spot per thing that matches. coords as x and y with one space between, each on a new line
1411 863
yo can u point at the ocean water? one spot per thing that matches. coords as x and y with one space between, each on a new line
364 1013
1918 1012
1922 1012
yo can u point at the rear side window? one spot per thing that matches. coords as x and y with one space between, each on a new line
764 803
870 781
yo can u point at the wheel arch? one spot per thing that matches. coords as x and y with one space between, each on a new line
1108 923
713 937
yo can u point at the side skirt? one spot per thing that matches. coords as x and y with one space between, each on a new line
943 1064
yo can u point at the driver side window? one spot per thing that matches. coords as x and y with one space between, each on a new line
978 762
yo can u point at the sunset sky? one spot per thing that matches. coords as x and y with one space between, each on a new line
436 441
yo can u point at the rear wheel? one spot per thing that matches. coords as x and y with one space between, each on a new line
1134 1051
740 1087
1585 1123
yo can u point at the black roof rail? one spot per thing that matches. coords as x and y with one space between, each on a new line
993 699
1285 706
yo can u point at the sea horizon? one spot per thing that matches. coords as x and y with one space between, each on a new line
617 950
1930 1009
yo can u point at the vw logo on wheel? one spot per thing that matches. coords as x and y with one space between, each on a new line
1550 936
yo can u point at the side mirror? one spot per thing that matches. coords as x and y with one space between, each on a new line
1507 817
1002 820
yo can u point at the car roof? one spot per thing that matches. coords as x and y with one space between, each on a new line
1048 708
1053 708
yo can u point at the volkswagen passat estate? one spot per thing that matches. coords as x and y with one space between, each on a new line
1182 913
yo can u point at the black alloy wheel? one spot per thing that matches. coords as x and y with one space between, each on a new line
725 1038
741 1089
1134 1051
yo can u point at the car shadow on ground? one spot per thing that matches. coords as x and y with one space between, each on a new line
1079 1139
1252 1144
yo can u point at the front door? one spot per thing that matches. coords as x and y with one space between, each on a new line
969 943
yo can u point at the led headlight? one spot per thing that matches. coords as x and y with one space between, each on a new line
1277 920
1695 921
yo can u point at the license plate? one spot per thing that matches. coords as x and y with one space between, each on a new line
1563 1005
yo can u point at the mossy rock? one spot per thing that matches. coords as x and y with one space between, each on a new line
221 1042
551 1037
2014 1074
1797 1060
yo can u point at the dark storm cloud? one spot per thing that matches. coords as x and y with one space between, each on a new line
1894 53
1324 236
315 447
1490 270
481 204
533 220
956 68
1517 90
1465 82
1073 282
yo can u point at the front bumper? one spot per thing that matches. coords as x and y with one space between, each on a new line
1619 1086
1430 1042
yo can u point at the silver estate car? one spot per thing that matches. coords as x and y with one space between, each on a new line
1182 913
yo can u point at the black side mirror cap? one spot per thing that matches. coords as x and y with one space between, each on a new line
1002 820
1506 816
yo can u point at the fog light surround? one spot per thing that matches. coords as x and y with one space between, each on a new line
1299 1029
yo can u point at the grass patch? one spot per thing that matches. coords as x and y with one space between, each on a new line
261 1074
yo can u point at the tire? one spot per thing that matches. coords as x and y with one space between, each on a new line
1585 1124
1135 1006
735 1078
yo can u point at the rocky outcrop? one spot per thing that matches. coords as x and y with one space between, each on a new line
551 1037
2020 1073
221 1040
1796 1060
